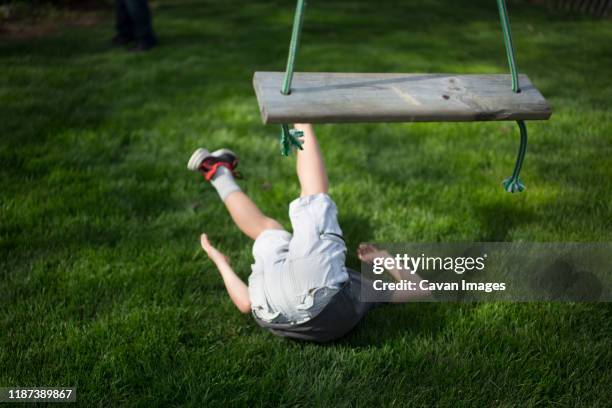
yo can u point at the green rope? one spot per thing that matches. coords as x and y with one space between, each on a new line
505 23
293 46
289 137
513 183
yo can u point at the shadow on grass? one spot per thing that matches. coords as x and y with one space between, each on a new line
499 218
388 323
356 229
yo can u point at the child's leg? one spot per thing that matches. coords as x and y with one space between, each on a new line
247 216
218 167
310 166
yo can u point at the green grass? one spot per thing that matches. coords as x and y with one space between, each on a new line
102 283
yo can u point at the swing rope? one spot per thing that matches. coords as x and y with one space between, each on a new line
293 46
289 137
513 183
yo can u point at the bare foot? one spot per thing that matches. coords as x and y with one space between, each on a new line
367 252
213 253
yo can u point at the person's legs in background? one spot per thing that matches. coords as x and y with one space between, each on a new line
143 30
123 23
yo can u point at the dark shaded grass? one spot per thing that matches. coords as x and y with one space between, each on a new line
102 282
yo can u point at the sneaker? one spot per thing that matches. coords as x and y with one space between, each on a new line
207 163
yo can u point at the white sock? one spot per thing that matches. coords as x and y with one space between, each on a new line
223 181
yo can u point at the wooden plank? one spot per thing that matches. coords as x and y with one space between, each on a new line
354 97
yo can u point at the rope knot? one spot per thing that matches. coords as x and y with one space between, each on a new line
513 185
289 140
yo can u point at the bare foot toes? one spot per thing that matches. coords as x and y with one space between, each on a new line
367 253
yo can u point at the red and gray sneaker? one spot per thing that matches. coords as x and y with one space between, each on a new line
207 163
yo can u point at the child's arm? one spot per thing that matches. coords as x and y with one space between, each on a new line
306 128
236 288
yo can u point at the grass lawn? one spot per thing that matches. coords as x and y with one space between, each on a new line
103 284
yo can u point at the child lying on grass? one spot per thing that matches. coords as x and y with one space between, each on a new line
299 286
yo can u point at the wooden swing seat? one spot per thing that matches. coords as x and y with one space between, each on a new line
323 97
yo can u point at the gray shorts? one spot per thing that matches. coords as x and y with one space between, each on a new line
295 275
339 316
